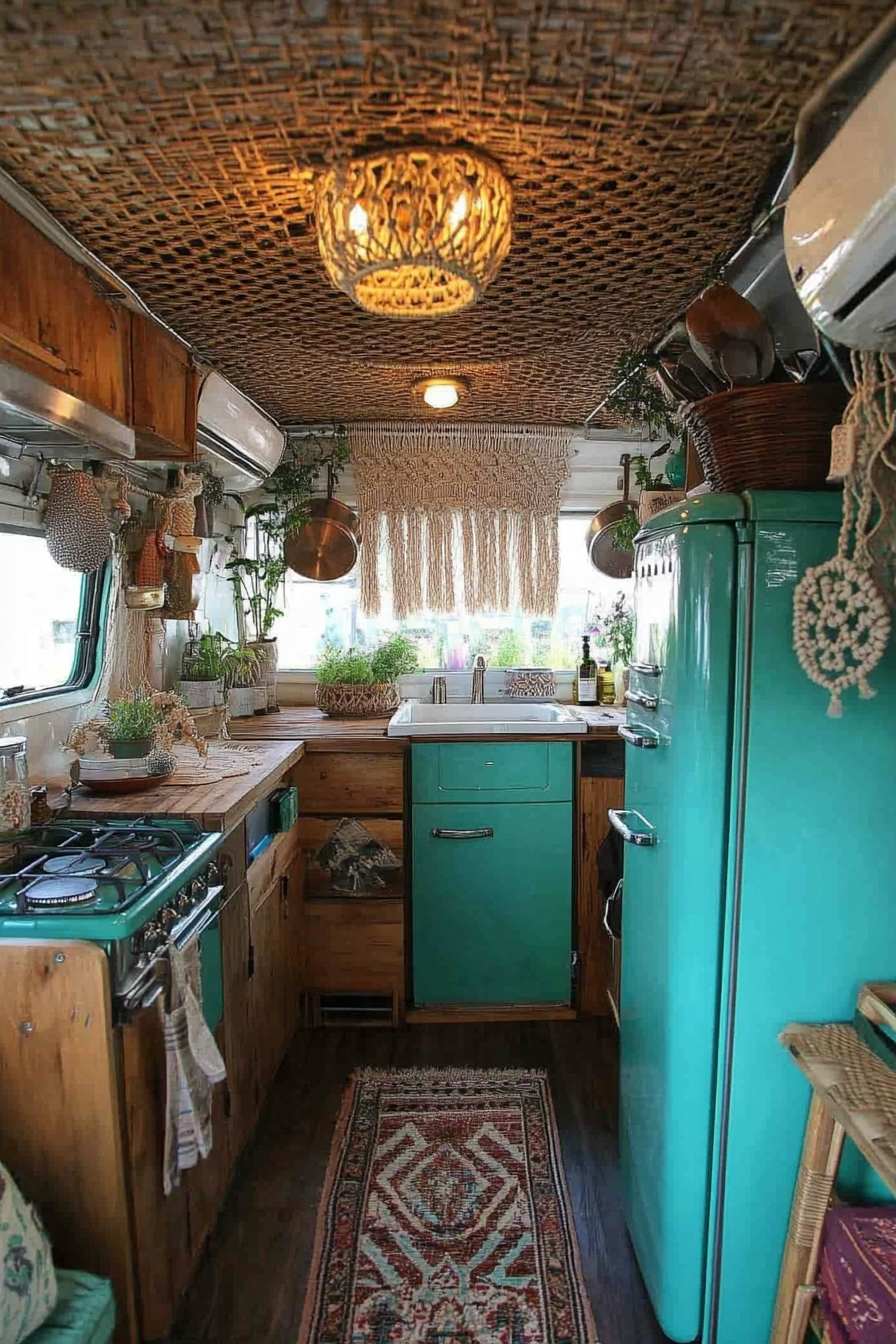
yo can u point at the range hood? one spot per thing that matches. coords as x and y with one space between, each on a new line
233 431
37 419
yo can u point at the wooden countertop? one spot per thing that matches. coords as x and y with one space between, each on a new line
216 807
320 732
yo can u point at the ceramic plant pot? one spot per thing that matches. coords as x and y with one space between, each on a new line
130 749
241 702
200 694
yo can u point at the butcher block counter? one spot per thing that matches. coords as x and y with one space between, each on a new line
217 806
320 732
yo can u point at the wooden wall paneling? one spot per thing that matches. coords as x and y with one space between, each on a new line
54 324
355 945
165 393
239 1047
60 1121
596 796
350 783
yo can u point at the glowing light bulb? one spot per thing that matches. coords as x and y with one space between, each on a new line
357 218
458 212
441 396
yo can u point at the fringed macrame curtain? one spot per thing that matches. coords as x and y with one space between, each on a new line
474 506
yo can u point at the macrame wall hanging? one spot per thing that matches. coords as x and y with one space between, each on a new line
460 515
841 625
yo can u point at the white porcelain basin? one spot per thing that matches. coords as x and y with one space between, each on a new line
417 718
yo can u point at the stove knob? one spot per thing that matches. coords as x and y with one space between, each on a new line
198 888
184 898
213 873
169 916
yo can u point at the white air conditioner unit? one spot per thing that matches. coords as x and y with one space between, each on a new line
840 227
235 433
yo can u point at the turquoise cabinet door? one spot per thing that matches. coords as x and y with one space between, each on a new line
492 912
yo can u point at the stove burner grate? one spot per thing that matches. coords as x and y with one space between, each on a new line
60 891
74 865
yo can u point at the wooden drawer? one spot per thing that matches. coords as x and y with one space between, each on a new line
271 865
350 783
354 945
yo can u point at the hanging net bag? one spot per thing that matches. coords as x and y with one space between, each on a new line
841 622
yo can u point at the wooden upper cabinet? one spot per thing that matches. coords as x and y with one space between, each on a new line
165 391
55 324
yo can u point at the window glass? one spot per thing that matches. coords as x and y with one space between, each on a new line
40 605
316 613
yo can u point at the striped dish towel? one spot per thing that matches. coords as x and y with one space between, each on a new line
193 1065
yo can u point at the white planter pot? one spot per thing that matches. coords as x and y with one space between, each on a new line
200 694
241 702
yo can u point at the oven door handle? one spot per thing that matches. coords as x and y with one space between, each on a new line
151 981
198 919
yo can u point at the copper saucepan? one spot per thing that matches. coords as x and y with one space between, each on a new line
599 537
326 547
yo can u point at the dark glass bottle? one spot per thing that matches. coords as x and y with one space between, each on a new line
587 675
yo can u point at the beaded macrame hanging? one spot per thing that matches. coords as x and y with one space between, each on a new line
460 515
841 624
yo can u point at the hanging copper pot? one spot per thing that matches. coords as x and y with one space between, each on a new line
326 547
600 537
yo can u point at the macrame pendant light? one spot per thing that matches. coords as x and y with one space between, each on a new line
414 232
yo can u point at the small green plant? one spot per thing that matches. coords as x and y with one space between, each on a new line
132 718
644 477
618 632
257 579
394 657
204 659
240 666
637 397
625 531
292 483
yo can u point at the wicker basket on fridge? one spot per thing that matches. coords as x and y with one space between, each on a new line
773 437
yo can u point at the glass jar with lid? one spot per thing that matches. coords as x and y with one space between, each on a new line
15 796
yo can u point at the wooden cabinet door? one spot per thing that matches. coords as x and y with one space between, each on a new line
293 949
266 987
165 388
54 324
239 1048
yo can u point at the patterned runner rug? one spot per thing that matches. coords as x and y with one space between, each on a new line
445 1216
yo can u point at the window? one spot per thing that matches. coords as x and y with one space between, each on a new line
316 613
49 619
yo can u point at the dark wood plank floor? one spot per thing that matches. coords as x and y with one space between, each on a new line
250 1285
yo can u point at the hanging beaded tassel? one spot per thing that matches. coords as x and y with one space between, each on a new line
841 625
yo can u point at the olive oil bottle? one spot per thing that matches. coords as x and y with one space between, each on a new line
587 682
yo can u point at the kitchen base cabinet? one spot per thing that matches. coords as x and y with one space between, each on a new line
276 957
492 903
355 946
599 956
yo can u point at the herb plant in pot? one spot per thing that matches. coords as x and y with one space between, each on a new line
136 723
257 585
201 683
656 494
618 634
241 673
363 683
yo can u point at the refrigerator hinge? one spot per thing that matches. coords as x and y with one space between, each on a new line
746 533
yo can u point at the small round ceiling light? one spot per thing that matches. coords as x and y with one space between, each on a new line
414 232
442 393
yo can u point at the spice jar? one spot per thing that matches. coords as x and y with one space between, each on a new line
15 797
41 811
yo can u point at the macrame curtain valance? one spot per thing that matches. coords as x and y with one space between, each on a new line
461 515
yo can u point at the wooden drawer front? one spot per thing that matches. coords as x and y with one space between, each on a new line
354 945
313 831
350 783
504 772
271 865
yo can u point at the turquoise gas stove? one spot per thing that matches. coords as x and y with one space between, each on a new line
131 886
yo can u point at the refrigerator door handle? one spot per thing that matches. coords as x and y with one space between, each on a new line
618 821
646 669
645 701
647 740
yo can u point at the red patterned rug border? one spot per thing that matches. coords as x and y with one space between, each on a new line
424 1076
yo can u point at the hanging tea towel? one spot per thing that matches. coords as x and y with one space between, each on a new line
193 1065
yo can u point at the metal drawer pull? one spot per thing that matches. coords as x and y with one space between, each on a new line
618 822
646 669
647 740
645 701
480 833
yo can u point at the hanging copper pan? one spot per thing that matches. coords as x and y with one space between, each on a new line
326 547
600 535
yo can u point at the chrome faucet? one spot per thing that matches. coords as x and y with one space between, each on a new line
477 696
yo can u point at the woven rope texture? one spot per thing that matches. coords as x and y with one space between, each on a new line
181 142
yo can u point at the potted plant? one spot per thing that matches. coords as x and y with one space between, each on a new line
361 683
293 481
241 673
639 401
137 722
656 494
201 684
257 581
618 634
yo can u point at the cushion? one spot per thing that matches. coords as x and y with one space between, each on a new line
84 1312
857 1275
27 1280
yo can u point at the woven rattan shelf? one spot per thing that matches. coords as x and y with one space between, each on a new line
853 1093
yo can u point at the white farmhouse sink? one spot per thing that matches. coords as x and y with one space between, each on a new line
416 718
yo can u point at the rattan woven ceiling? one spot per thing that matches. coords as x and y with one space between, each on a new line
179 142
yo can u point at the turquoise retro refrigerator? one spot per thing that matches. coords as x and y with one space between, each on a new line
760 888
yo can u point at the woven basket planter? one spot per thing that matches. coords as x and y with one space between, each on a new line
358 702
773 437
267 670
